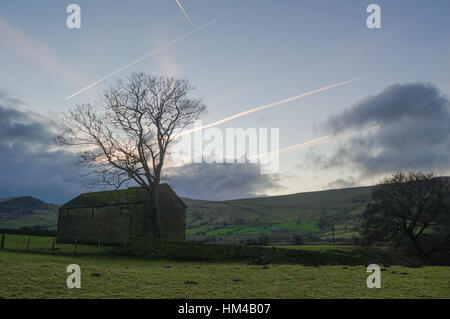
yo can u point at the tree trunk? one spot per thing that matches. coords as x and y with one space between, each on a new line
423 254
157 211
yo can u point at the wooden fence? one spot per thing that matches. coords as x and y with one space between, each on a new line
26 232
50 234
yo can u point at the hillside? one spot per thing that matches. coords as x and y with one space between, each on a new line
281 217
27 211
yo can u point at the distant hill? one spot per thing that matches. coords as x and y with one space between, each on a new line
279 217
24 205
27 211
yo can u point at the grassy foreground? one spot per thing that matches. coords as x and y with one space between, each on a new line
37 275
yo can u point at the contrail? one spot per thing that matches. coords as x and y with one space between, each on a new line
286 149
289 148
142 58
184 12
263 107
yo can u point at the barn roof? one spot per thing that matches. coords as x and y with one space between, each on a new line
132 195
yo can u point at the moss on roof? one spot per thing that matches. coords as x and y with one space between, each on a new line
123 196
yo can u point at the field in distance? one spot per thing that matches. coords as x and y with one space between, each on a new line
280 217
29 212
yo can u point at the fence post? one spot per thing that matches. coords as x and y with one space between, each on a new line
53 244
75 248
98 244
124 244
3 241
332 229
28 243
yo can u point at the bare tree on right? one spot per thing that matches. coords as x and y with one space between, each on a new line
411 208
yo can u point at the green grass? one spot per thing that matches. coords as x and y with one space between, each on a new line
261 230
199 229
280 216
318 247
224 231
41 273
304 227
44 245
29 221
219 230
31 275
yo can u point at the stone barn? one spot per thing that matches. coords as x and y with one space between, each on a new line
113 216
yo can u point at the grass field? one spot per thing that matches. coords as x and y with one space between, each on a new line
281 217
43 245
28 275
39 273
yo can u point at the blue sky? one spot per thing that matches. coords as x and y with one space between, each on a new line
263 52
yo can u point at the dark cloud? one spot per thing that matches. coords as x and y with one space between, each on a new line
220 181
405 127
29 163
20 127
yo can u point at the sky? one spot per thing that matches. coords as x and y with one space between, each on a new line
250 53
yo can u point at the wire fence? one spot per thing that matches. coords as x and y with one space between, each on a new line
46 242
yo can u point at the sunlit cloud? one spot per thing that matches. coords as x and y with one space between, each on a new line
184 12
171 43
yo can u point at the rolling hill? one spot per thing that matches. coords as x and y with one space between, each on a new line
280 217
27 211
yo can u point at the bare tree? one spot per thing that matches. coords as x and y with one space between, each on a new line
128 135
412 208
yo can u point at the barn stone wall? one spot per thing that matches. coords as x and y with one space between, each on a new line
173 217
113 224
